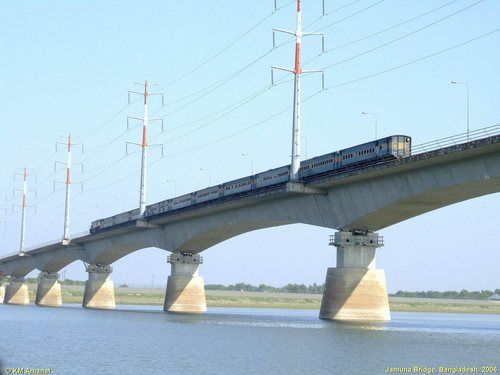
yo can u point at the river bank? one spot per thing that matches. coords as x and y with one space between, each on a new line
219 298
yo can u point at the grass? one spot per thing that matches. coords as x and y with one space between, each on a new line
290 301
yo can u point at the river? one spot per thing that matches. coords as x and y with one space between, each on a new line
145 340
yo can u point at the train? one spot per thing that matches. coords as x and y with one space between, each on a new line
388 148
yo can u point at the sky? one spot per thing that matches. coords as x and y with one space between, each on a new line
66 67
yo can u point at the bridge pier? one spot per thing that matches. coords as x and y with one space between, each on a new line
2 293
355 290
99 288
48 291
16 293
185 289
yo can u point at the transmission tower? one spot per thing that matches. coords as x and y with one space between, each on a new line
68 183
24 204
297 71
144 144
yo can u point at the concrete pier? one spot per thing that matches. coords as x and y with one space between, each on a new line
16 293
2 293
48 291
185 289
99 288
355 290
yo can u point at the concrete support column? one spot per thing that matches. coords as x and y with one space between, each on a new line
16 293
99 288
48 291
355 290
185 289
2 293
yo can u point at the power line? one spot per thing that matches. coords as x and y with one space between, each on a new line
333 11
213 32
106 122
222 50
413 61
218 83
350 16
391 27
402 36
231 108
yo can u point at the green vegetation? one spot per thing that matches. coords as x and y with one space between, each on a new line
288 288
463 294
285 300
442 307
34 280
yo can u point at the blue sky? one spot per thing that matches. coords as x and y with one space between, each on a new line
65 67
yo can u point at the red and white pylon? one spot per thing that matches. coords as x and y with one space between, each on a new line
24 205
68 182
144 144
297 71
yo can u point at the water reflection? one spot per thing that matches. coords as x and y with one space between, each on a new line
144 339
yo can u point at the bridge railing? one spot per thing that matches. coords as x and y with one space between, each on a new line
456 139
48 243
43 244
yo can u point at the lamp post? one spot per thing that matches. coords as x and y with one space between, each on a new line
209 175
376 120
468 106
251 159
175 186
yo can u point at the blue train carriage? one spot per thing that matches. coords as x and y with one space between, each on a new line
118 220
158 208
272 177
182 201
207 194
240 185
396 146
319 164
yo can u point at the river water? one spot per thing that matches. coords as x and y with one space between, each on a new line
145 340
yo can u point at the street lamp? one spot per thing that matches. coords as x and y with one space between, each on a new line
468 106
376 120
209 175
175 186
251 159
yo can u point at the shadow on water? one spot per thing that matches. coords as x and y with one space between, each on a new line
271 318
1 368
367 326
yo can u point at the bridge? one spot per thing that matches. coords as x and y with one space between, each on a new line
356 202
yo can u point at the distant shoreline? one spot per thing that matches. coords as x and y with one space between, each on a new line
223 298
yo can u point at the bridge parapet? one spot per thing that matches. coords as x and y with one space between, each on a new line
455 140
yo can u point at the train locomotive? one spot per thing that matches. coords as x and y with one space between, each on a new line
366 154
